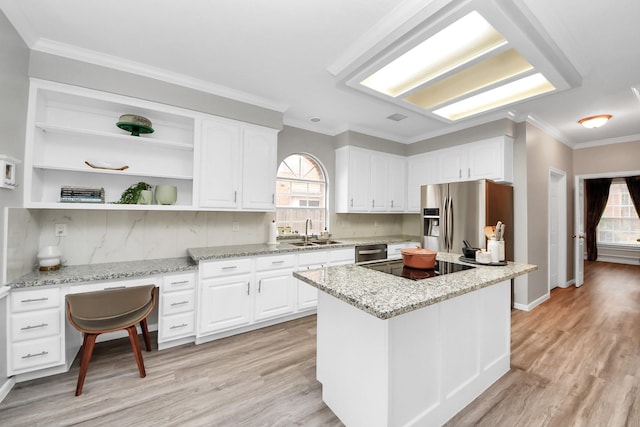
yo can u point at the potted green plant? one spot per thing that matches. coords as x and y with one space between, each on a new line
131 195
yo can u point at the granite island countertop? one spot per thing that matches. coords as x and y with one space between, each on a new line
385 296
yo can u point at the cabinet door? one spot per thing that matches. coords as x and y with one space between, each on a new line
379 183
275 294
220 165
452 165
358 172
397 184
225 303
486 160
421 170
259 169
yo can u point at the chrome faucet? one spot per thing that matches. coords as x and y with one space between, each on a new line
307 225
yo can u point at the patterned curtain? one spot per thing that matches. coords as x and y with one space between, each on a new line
596 194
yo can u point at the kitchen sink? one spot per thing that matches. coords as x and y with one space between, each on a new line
325 242
315 243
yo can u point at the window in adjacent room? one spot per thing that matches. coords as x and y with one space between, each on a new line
301 193
619 224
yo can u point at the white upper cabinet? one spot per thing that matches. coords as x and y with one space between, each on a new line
71 128
369 181
422 169
237 166
486 159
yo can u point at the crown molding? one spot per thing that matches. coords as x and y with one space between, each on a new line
550 130
125 65
617 140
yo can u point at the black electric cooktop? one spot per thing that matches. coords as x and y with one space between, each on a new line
397 268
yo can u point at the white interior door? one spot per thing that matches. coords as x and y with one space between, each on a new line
557 229
578 235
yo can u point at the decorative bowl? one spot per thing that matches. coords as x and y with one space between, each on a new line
135 124
469 252
419 258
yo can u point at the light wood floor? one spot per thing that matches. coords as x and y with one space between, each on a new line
575 362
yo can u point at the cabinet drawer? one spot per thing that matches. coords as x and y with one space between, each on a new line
343 256
178 302
179 282
120 284
226 267
32 325
35 299
313 257
36 354
179 325
275 262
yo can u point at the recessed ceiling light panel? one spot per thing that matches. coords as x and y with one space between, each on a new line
463 41
518 90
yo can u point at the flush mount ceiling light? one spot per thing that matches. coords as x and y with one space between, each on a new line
595 121
456 59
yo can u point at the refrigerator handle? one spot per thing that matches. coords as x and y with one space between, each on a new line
450 225
443 226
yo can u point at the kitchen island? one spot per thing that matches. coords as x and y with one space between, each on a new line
394 352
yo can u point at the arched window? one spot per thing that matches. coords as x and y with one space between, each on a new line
301 193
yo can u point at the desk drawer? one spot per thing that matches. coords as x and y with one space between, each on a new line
36 353
179 282
179 325
42 323
35 299
178 302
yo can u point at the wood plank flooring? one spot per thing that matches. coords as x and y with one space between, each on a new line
575 362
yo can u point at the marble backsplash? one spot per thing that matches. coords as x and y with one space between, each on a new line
97 236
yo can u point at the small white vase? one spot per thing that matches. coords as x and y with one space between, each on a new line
166 194
145 198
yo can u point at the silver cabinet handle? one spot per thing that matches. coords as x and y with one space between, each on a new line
371 251
459 173
230 267
277 262
183 282
178 326
114 287
373 203
468 172
29 355
35 299
28 327
273 197
259 285
352 202
173 304
235 196
248 287
392 203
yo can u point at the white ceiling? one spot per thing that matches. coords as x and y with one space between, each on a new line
278 54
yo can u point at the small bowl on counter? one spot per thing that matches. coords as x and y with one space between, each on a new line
469 252
483 257
423 259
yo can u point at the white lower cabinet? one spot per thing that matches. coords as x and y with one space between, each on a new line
275 295
176 310
35 330
307 294
225 303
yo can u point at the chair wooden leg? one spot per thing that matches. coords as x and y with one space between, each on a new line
89 342
145 333
135 344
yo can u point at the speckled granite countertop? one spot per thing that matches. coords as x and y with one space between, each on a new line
129 269
105 271
234 251
385 296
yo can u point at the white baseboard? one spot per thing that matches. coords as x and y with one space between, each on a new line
6 388
619 259
532 305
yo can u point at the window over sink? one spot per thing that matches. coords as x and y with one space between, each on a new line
301 193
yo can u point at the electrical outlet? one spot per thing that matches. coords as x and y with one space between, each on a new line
235 226
60 230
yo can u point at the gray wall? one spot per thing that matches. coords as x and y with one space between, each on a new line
607 158
476 133
544 152
14 62
55 68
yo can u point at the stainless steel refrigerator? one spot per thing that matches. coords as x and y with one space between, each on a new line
460 211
